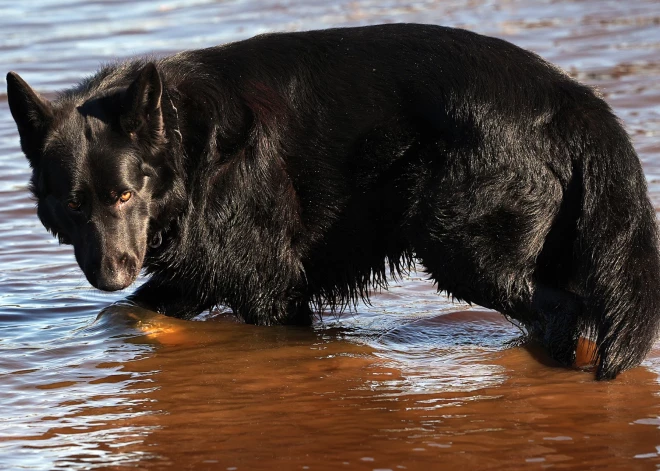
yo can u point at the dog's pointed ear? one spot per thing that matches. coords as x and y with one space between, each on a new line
141 111
33 114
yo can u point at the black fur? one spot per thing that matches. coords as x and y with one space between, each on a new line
292 171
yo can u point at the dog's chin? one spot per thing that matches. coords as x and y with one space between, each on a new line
116 282
112 285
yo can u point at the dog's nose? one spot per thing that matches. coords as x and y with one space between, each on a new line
127 262
118 272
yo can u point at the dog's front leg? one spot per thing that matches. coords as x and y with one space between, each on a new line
166 298
284 310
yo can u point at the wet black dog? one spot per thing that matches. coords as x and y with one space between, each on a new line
292 171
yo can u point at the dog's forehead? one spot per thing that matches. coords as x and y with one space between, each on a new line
64 150
68 137
76 123
83 151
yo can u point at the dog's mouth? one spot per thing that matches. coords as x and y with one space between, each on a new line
116 273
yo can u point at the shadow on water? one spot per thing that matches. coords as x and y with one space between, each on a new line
153 391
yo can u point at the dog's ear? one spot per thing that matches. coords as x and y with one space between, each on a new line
141 112
33 114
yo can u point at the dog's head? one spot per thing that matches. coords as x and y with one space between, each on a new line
92 154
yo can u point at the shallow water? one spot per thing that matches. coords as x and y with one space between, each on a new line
411 382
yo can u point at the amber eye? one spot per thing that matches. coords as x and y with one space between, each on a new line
74 205
125 196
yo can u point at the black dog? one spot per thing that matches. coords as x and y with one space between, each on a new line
292 171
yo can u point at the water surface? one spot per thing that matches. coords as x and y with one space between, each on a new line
412 382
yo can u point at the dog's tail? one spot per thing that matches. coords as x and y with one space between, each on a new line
616 247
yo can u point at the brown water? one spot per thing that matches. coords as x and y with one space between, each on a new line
412 382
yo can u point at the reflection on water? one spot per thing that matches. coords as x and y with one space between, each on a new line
411 382
192 394
66 395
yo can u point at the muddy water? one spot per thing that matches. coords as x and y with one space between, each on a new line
411 382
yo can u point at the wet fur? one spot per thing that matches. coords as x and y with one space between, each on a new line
295 171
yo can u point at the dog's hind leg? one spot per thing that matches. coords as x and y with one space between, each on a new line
549 315
559 313
482 241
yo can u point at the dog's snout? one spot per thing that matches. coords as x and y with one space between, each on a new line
117 272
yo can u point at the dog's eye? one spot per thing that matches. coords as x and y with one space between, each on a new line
125 196
74 205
